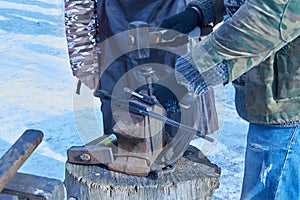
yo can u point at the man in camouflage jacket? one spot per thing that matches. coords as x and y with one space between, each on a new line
259 49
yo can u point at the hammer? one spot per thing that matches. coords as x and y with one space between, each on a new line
141 38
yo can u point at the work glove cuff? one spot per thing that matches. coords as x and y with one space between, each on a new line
186 74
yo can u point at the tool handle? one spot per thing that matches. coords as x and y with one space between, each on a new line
17 154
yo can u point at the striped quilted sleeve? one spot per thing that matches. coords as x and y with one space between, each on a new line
81 30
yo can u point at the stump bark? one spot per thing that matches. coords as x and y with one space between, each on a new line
195 178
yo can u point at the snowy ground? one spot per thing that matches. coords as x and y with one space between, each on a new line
37 91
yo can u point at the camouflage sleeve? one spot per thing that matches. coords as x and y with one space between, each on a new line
256 31
186 74
81 29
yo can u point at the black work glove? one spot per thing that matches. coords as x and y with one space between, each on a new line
168 92
183 22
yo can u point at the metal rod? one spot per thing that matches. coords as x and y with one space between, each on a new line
175 124
130 91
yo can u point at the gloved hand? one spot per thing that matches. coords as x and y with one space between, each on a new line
168 92
183 22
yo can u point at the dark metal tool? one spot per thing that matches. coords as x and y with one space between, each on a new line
176 147
142 145
135 107
150 77
142 37
142 97
98 151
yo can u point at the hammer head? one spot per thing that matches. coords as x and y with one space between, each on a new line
139 40
141 36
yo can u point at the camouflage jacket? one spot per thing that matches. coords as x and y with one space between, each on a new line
260 31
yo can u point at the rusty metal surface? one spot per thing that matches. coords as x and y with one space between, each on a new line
91 154
142 146
17 154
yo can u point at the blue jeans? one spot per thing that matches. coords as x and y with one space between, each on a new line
272 163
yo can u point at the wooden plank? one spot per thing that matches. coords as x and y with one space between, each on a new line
27 186
8 197
17 154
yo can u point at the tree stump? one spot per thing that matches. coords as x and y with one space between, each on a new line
194 178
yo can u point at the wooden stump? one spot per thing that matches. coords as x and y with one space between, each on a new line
194 178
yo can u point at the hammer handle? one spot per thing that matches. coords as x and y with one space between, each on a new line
17 154
155 37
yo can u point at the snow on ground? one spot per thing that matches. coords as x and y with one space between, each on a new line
37 91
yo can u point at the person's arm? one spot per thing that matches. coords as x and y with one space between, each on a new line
80 26
257 30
